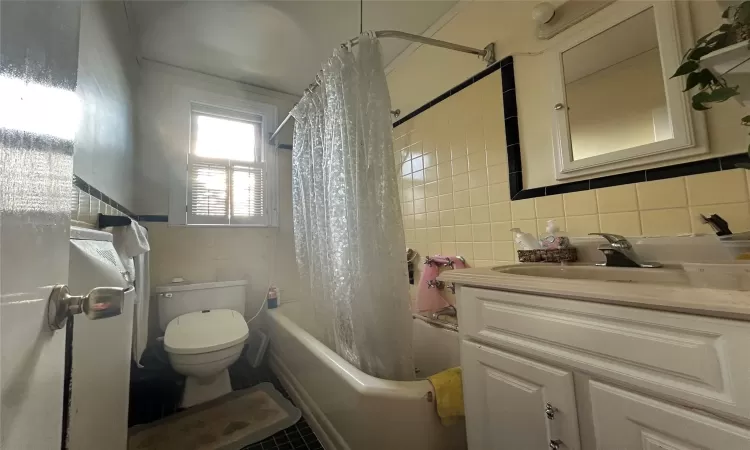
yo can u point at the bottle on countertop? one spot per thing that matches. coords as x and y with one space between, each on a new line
272 300
525 241
554 238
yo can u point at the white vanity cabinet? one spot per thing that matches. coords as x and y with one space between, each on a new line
623 419
542 372
512 399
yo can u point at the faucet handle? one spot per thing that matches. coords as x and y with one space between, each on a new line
614 239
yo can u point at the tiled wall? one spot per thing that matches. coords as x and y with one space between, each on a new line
455 198
86 203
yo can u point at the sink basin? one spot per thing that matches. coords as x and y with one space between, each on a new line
670 276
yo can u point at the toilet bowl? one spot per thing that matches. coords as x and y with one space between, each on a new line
202 342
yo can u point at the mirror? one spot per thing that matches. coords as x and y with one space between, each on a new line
613 104
614 89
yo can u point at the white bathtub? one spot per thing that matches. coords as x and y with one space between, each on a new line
349 409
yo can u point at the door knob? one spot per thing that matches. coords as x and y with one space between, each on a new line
550 411
99 303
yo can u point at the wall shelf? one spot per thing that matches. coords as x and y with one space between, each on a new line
725 59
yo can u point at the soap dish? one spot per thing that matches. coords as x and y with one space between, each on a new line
556 255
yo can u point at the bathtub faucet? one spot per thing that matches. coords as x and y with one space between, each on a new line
447 311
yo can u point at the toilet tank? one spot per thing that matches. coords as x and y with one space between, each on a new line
182 298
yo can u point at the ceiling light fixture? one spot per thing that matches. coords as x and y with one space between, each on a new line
543 13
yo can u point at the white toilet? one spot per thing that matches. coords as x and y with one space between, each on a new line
205 331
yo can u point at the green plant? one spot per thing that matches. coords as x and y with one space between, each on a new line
713 88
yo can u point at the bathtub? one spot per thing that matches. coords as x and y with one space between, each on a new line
349 409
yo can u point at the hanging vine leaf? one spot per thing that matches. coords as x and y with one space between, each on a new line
722 94
704 38
697 53
685 68
746 121
743 13
693 80
702 97
725 14
704 77
707 78
718 41
698 106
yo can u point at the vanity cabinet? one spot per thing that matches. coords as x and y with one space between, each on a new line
514 397
623 419
542 372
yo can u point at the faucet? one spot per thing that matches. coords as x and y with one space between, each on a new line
447 311
619 252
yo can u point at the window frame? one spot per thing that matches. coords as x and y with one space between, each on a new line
265 160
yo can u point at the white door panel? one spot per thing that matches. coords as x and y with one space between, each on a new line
39 49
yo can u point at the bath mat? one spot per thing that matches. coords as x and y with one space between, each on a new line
227 423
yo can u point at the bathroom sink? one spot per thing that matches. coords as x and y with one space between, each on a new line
671 276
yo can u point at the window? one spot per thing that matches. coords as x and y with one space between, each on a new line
227 182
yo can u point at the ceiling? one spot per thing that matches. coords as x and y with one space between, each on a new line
278 45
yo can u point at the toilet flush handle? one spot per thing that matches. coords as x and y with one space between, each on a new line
99 303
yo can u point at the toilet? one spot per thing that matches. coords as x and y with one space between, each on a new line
204 332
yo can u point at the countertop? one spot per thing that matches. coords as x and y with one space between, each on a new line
683 299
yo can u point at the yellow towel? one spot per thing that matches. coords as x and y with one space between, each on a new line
449 395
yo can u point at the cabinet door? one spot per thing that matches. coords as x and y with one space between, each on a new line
627 421
506 397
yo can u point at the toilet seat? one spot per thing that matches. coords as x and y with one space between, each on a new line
205 331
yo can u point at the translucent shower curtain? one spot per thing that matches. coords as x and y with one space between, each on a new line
347 218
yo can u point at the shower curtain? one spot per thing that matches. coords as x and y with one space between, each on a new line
347 217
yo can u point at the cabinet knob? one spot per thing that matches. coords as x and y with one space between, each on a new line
559 106
555 444
550 411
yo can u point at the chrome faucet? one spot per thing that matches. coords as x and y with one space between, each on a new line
447 311
619 252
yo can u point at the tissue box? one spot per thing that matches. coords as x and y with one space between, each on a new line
556 255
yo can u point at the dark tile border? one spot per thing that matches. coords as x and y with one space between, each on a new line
153 218
96 193
513 146
490 69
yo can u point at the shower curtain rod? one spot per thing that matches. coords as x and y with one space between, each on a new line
487 54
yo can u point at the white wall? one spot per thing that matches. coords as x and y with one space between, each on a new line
202 253
162 125
107 79
429 72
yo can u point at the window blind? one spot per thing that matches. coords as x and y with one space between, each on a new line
247 192
209 186
226 175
